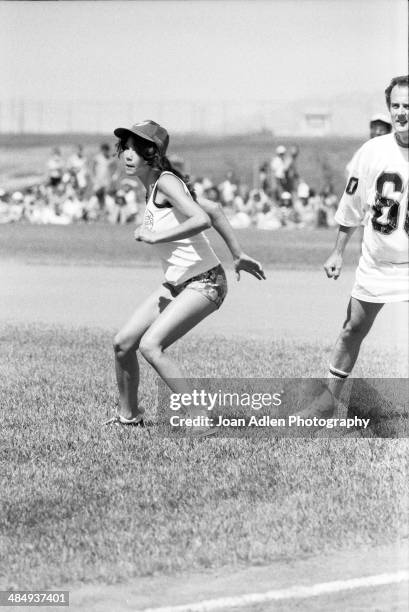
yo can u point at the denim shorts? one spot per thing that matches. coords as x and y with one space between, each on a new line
212 284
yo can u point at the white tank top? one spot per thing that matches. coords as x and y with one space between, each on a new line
181 259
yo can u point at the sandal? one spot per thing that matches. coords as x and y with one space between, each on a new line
120 420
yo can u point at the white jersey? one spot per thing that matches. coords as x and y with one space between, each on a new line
377 197
181 259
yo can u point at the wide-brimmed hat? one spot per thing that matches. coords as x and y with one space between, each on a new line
147 130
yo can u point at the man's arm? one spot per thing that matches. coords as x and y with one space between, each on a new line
219 221
334 262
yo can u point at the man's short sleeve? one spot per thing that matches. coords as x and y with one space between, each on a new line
352 207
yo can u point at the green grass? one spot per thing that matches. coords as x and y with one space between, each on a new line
105 244
81 503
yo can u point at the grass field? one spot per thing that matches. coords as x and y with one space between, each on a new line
83 504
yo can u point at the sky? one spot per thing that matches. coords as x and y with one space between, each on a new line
203 51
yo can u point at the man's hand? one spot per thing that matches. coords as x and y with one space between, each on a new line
333 265
248 264
141 234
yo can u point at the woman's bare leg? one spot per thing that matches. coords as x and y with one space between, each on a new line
184 313
126 343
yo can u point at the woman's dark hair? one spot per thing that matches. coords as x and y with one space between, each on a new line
150 153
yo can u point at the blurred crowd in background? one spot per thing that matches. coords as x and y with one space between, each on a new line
281 198
79 189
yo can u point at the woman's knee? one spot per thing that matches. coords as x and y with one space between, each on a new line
150 348
123 346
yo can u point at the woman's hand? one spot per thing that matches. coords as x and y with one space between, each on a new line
248 264
141 234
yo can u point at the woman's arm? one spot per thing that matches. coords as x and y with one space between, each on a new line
219 221
197 219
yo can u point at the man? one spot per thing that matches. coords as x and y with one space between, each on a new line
379 125
103 174
376 193
77 165
228 189
284 171
279 166
292 174
55 167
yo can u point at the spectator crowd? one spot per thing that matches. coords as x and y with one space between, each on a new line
79 189
76 190
281 199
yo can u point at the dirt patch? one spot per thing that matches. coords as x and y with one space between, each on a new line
298 305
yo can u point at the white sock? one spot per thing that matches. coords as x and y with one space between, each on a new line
337 373
337 384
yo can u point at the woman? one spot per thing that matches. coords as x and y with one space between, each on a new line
195 282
